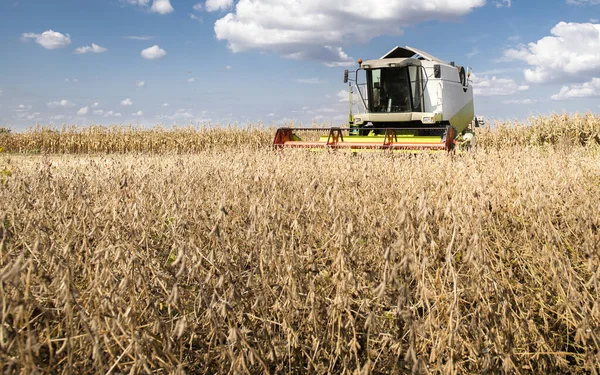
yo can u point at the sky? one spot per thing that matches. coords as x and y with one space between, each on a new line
150 62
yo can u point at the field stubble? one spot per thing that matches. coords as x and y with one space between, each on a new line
249 261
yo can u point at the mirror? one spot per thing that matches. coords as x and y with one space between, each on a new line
346 76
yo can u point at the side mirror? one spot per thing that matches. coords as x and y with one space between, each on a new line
346 76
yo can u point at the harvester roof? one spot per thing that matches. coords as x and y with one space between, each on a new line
390 63
409 52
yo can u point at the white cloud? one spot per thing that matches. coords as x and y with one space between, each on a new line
138 37
571 53
112 114
126 102
228 67
138 114
49 39
62 103
195 17
309 81
329 56
587 89
524 101
502 3
485 86
343 97
83 111
270 114
181 114
474 52
140 83
94 48
161 7
214 5
192 80
98 112
303 29
198 7
137 2
165 105
33 116
57 117
23 107
153 53
95 105
74 80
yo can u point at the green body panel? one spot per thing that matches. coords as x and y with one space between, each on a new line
463 118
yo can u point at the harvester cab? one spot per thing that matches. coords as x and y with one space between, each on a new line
411 100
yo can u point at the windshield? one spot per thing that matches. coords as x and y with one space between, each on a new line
394 90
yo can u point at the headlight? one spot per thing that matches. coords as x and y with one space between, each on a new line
428 120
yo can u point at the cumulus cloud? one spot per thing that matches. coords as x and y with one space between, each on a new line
140 83
153 53
94 48
161 7
98 112
572 52
112 114
485 86
158 6
126 102
83 111
138 37
502 3
165 105
303 29
343 97
587 89
137 2
49 39
192 80
138 114
198 7
61 103
215 5
95 105
195 17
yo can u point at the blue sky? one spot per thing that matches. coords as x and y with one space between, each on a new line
224 61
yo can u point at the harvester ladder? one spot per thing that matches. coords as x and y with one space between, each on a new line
390 137
335 136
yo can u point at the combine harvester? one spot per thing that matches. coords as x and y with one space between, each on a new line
411 101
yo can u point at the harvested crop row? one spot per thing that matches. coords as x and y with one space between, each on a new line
250 261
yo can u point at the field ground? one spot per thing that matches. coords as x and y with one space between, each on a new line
247 260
